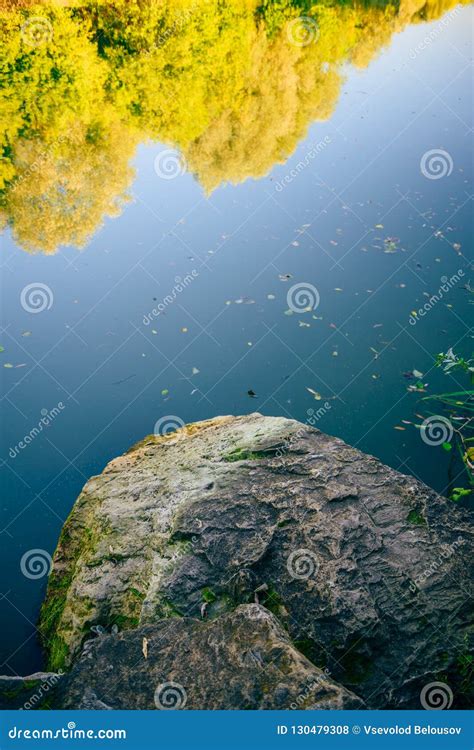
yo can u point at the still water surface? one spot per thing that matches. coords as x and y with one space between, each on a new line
357 220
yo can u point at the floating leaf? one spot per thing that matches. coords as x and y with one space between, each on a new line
447 446
315 394
458 493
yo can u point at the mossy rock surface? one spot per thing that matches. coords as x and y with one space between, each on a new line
364 567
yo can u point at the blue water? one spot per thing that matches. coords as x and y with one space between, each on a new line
115 377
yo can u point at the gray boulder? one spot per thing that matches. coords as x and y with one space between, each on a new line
367 570
241 660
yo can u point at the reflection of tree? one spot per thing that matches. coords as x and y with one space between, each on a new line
65 189
222 82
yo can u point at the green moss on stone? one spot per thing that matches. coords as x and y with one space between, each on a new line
78 541
416 518
166 609
208 595
241 454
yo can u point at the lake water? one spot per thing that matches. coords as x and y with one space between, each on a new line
354 215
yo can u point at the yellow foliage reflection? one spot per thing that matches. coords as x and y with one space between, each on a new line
233 86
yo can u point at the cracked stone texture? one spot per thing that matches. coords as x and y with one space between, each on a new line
367 569
242 660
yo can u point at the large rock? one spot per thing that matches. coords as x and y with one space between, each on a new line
366 569
242 660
